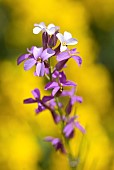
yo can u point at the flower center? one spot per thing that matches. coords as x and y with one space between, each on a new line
39 59
64 43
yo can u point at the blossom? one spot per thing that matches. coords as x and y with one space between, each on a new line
50 29
73 99
63 57
65 40
58 86
57 143
42 104
38 57
70 127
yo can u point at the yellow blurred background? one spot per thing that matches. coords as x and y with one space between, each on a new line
21 131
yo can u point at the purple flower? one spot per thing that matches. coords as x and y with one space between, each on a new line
58 86
65 56
73 99
36 57
42 104
50 29
65 40
56 142
70 127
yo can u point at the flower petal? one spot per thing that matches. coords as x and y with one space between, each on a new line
40 108
37 52
29 100
22 58
63 56
36 93
63 48
55 90
62 77
36 30
50 26
47 98
51 85
80 127
60 37
71 41
47 53
69 83
77 59
29 63
60 64
40 69
67 35
69 107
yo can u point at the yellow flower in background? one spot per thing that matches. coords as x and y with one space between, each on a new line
19 126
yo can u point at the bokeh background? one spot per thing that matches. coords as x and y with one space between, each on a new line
21 131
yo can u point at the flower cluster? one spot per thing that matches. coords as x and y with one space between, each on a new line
54 44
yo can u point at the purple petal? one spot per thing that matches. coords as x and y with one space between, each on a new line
40 108
62 77
40 69
22 58
60 64
36 93
51 85
77 59
29 100
69 83
48 139
69 107
55 90
29 63
37 52
63 56
73 51
81 128
68 130
55 141
76 99
47 53
47 98
56 117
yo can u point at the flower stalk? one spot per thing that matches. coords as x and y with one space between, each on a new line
40 58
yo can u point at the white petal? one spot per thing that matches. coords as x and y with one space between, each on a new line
36 30
50 26
42 25
67 35
71 41
60 37
51 31
63 48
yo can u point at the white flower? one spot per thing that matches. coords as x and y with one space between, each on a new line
65 40
50 29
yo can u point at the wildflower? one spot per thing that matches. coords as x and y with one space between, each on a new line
65 40
42 104
70 127
65 56
58 86
56 142
50 29
37 57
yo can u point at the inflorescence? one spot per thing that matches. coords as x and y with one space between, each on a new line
54 44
